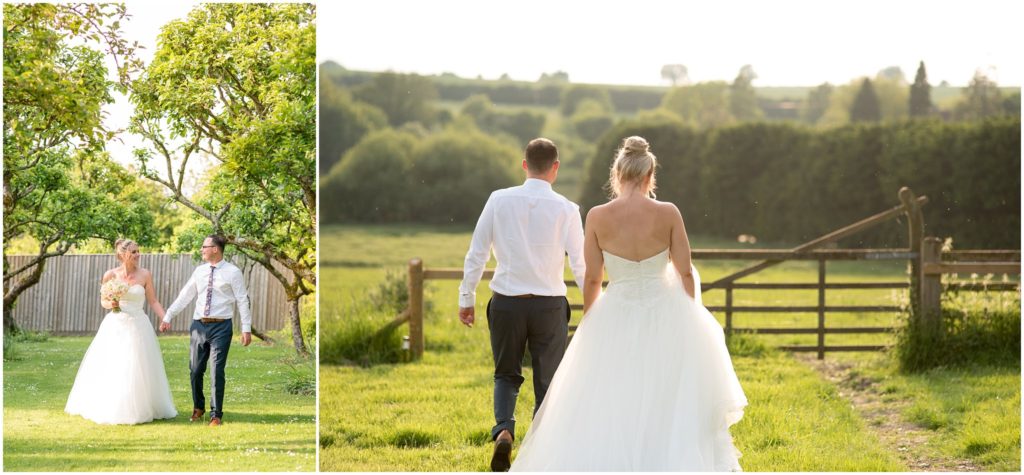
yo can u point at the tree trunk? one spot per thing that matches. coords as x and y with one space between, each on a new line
293 308
12 290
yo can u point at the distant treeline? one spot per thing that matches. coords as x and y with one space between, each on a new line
781 182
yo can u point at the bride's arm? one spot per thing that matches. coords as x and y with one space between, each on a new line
594 260
154 303
680 250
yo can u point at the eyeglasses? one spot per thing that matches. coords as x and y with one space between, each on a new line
207 247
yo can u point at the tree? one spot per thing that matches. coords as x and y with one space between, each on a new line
573 95
893 73
865 106
704 104
60 186
743 97
817 103
558 77
676 74
236 82
403 97
920 94
981 98
343 122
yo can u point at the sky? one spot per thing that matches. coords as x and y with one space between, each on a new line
788 42
147 18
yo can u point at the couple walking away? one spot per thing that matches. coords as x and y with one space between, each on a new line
121 379
647 383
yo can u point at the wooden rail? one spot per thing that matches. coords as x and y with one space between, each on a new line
924 255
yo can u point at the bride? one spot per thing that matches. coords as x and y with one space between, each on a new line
647 383
121 379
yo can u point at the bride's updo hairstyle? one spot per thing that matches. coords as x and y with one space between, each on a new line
121 246
633 163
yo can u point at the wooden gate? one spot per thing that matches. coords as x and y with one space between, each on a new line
923 283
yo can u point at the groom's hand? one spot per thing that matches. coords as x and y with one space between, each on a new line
246 338
467 315
164 326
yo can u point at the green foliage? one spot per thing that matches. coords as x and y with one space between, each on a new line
974 329
981 99
574 95
442 178
786 183
359 335
817 103
921 94
237 82
524 125
343 122
703 104
373 182
60 186
865 106
402 97
742 96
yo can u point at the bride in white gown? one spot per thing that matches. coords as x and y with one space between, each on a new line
647 383
121 379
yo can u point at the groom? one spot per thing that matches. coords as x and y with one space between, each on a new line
219 286
530 228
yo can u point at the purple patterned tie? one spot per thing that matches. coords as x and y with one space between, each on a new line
209 293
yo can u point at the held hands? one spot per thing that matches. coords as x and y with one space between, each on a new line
246 338
467 315
164 326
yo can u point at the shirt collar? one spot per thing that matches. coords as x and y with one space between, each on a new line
536 183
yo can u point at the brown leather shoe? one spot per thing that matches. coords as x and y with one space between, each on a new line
215 421
197 415
501 459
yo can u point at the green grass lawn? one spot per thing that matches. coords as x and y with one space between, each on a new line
265 428
435 415
972 413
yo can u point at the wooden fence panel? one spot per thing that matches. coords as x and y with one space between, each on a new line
66 300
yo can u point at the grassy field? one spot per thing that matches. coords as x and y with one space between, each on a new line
435 415
265 427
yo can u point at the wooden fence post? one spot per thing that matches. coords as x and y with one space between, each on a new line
931 284
728 308
915 223
416 342
821 309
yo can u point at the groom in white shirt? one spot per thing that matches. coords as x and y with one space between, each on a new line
530 228
217 287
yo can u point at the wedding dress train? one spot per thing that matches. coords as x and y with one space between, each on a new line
645 385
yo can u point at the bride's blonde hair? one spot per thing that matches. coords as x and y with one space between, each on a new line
633 163
122 246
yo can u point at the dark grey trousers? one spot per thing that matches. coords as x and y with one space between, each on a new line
540 322
209 341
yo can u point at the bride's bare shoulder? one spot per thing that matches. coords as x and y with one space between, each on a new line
109 274
597 211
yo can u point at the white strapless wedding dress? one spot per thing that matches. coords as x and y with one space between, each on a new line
645 385
121 379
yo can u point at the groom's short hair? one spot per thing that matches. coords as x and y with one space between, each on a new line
541 154
218 241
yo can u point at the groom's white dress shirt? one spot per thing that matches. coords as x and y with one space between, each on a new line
530 229
228 289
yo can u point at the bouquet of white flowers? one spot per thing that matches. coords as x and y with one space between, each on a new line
112 291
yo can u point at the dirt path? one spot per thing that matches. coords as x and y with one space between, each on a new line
883 417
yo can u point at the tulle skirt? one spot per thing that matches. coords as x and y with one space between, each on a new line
121 379
645 385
